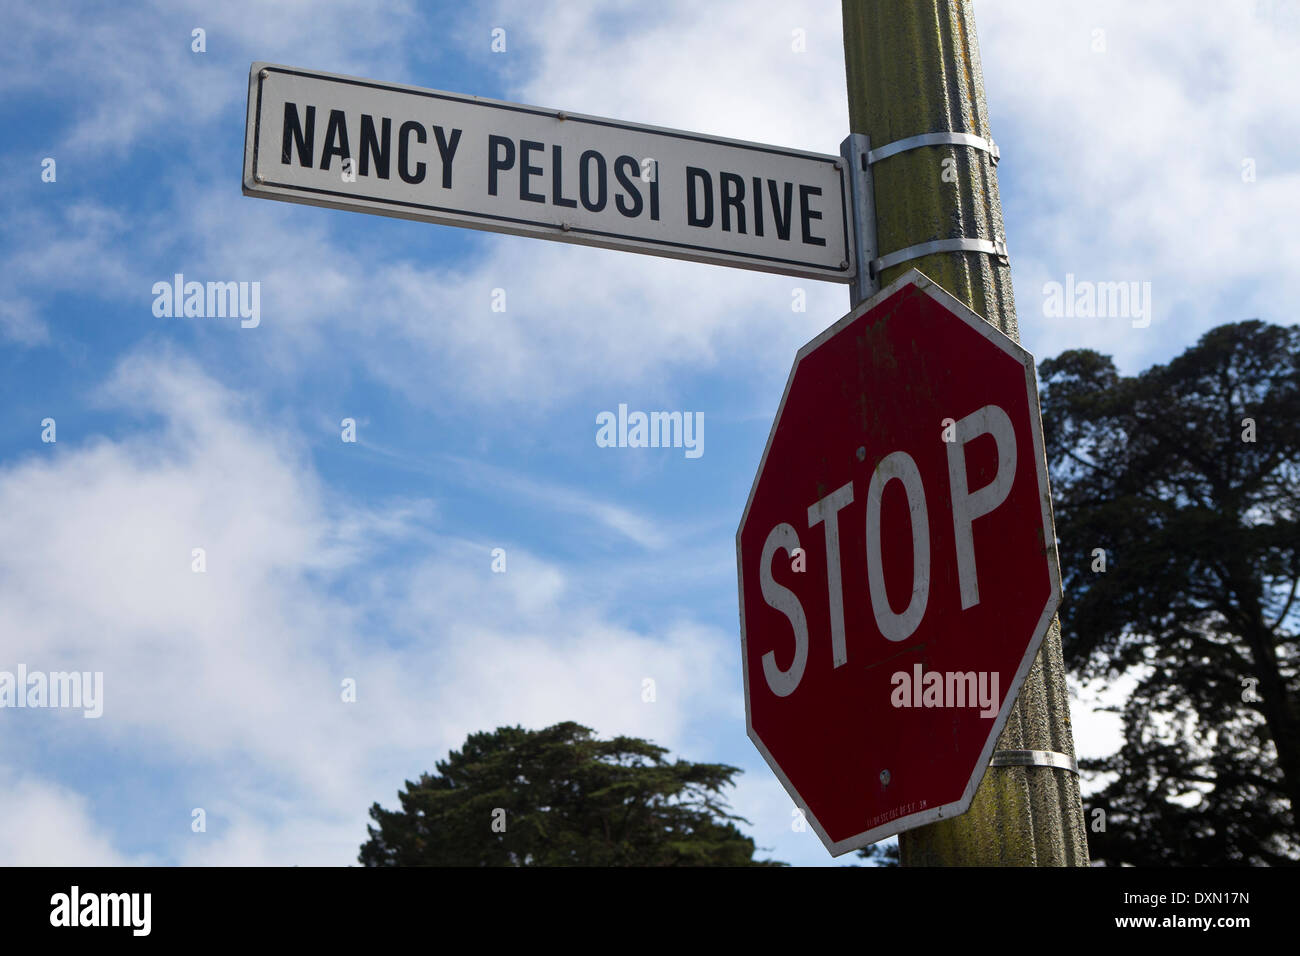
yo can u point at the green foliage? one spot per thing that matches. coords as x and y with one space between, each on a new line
881 854
569 800
1201 534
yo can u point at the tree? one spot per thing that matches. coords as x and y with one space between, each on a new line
561 797
1177 498
881 854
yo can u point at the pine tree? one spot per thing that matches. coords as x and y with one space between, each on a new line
1177 497
561 797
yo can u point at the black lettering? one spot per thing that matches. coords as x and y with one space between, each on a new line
809 214
781 217
706 220
584 181
370 145
495 163
336 139
557 185
526 171
628 182
733 196
654 196
447 151
293 133
758 206
403 147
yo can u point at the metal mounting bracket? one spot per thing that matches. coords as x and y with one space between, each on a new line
1034 758
859 158
935 139
994 247
855 149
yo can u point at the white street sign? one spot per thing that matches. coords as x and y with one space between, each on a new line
458 160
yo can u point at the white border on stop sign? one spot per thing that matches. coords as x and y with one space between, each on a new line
928 286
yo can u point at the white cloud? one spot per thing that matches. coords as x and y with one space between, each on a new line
49 825
1127 164
80 246
606 515
20 323
733 73
622 320
136 75
235 674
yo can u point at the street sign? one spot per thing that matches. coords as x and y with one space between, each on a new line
897 564
413 153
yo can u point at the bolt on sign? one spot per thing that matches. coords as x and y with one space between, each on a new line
447 158
897 564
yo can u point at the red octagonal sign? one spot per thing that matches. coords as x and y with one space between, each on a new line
897 564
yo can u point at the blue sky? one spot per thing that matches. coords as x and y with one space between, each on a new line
1122 160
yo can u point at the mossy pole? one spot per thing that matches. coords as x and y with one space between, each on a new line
913 68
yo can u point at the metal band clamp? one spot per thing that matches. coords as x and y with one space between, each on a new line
935 139
995 247
1034 758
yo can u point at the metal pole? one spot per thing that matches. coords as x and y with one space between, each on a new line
913 68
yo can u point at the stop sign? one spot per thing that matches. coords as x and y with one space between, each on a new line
897 564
